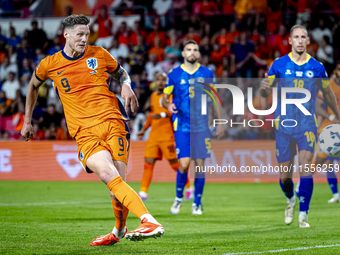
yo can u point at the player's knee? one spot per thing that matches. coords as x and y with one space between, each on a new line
285 180
184 166
106 172
107 175
305 163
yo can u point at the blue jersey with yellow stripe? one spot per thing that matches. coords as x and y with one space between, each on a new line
187 90
285 72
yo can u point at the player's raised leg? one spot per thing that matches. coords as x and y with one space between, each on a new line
101 164
306 186
121 213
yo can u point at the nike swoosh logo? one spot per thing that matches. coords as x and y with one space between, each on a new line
61 71
120 154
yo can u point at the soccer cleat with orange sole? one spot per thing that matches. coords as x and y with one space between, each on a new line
144 231
109 239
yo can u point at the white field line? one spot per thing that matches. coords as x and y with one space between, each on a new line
282 250
73 202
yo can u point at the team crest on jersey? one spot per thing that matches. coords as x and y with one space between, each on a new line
200 79
310 74
288 71
182 81
81 156
92 63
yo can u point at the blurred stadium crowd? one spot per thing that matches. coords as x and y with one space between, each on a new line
238 39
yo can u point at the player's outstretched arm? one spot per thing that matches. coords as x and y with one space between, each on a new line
166 104
319 109
31 99
330 100
265 89
127 93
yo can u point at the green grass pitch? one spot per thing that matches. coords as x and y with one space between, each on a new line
64 217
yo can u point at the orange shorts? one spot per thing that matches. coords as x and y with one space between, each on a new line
112 135
158 149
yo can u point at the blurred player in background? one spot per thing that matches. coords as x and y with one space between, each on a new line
96 119
297 70
329 118
161 141
192 141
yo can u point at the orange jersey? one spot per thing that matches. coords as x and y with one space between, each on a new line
81 84
161 129
336 89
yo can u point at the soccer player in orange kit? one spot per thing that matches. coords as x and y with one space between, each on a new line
161 141
97 121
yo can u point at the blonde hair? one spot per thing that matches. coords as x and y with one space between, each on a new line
298 26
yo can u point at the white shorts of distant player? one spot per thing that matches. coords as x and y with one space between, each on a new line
104 42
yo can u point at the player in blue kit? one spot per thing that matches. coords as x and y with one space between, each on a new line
192 134
297 70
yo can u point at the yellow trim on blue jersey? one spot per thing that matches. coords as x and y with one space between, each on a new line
271 79
175 124
325 83
185 70
276 121
168 90
291 58
316 120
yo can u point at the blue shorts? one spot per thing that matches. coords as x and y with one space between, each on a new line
330 158
286 144
193 145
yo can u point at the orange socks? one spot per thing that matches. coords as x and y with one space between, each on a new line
187 185
175 167
147 177
127 196
121 213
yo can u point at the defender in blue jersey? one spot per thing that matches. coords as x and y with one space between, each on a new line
192 134
297 70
